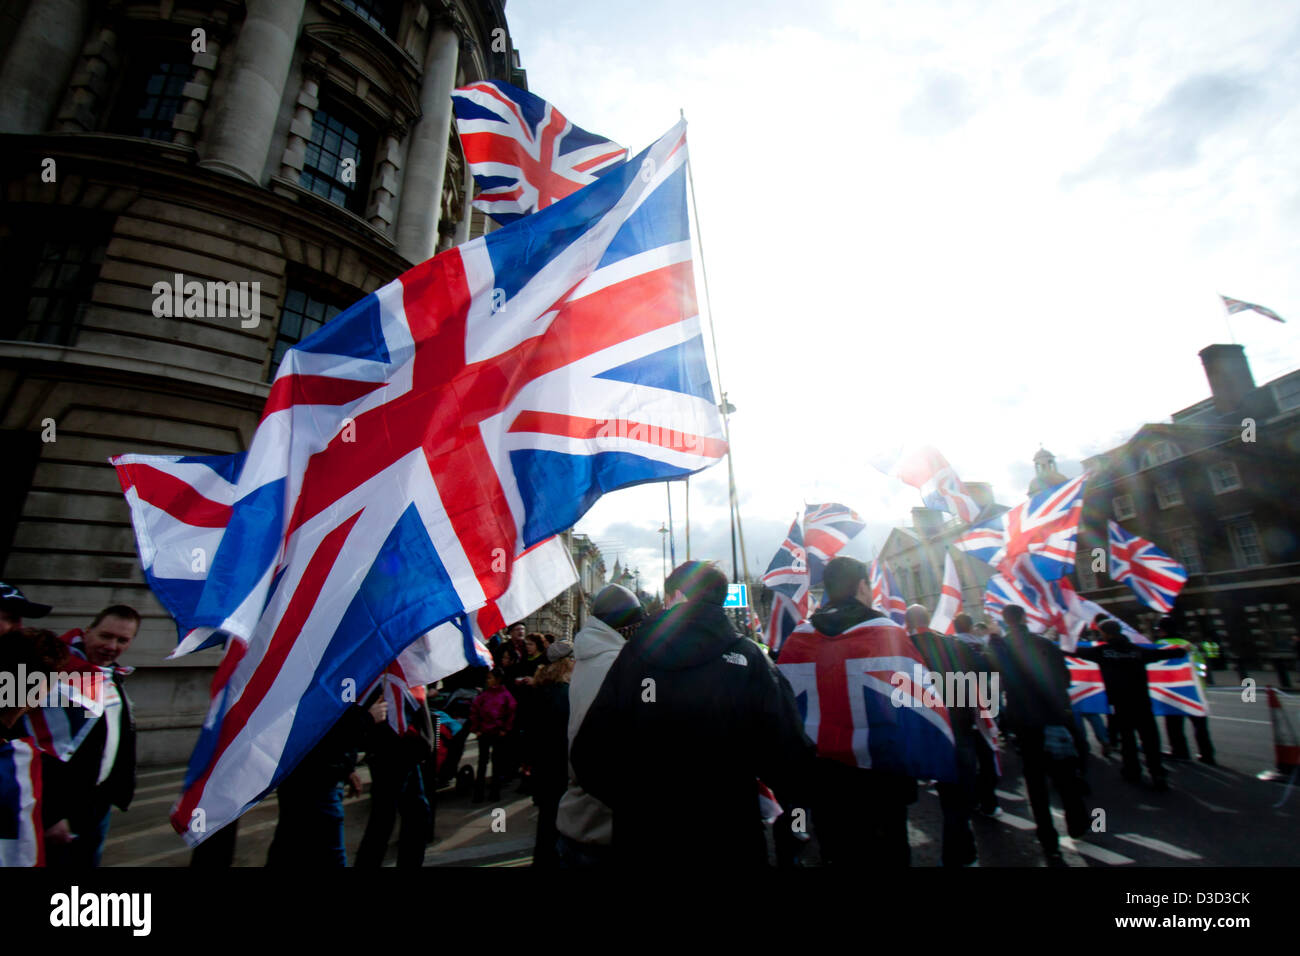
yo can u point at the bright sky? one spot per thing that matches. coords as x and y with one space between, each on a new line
982 226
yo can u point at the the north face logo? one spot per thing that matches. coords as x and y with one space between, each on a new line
734 657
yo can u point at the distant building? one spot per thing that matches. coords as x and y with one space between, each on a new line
916 554
1215 487
566 614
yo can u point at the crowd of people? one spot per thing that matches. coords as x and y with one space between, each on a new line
645 739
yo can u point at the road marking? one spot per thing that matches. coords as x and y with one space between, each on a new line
916 837
1098 853
1011 820
1160 846
1211 806
1008 796
1242 720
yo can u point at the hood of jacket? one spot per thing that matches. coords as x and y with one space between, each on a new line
835 619
596 638
685 636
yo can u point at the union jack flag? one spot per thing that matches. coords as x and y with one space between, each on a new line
1026 588
1079 611
1236 305
1152 575
413 451
1171 684
524 155
788 570
1087 689
861 701
929 472
785 617
949 605
1044 528
886 596
826 529
769 810
22 833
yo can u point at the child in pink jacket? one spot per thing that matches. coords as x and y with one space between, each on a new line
491 716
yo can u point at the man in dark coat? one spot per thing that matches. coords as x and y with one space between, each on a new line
1123 667
690 716
1036 679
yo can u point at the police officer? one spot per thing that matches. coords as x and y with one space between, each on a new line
1124 670
1167 633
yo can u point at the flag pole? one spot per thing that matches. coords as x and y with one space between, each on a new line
688 517
1227 319
672 539
717 364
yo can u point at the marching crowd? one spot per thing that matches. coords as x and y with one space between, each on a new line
646 740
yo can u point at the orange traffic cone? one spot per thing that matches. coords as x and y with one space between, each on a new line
1285 743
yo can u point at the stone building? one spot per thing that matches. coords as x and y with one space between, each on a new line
1215 488
916 554
283 156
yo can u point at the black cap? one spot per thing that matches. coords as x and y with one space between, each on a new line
12 600
618 607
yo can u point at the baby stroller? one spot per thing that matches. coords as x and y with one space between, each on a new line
451 735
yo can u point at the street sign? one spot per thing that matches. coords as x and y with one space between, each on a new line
737 596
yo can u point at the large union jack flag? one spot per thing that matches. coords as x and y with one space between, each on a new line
415 452
864 699
929 472
1152 575
1171 684
886 595
1045 528
524 155
826 529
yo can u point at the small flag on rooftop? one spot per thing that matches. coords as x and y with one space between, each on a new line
1236 305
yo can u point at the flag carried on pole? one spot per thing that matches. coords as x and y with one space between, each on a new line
787 577
929 472
1044 528
523 153
1152 575
949 606
1079 611
826 529
886 596
413 450
1236 305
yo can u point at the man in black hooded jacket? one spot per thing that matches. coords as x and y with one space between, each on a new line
690 716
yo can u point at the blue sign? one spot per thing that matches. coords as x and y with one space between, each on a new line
737 596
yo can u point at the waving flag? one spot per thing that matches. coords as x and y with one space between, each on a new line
417 446
788 570
1024 586
1079 611
1045 528
886 596
949 605
784 618
826 529
929 472
769 811
1236 305
524 155
22 833
1152 575
861 702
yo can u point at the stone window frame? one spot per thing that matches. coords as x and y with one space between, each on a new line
1220 486
1168 494
1233 526
358 196
1129 510
1178 537
135 69
388 104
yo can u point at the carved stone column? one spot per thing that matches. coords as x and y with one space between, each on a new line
426 157
41 55
238 141
185 124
